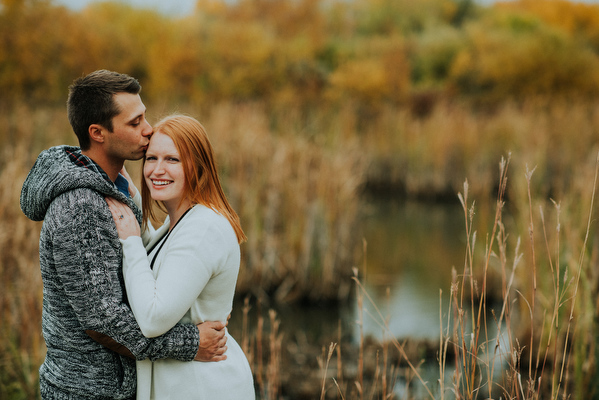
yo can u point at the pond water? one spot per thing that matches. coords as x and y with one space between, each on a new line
411 249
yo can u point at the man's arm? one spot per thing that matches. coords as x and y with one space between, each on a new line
212 342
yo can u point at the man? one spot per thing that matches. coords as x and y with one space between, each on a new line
80 252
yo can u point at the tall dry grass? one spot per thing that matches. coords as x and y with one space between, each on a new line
430 156
295 179
298 201
22 347
519 323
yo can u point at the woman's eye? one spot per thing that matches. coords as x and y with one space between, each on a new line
150 158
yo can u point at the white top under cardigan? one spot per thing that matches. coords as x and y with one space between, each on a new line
193 280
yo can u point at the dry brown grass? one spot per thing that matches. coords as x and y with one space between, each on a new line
21 347
432 155
516 327
295 180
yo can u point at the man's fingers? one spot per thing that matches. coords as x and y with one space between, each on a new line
216 325
214 337
212 341
219 345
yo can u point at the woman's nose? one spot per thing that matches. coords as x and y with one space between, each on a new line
159 168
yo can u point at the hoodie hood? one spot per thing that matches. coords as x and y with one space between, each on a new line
54 174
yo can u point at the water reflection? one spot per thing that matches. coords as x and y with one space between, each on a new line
411 249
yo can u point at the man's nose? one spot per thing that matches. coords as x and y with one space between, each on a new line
148 130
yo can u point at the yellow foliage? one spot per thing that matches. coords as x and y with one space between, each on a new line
397 16
365 78
302 50
381 72
175 63
575 18
238 57
37 63
122 35
211 7
516 58
287 18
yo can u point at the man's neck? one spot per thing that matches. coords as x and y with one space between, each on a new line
111 167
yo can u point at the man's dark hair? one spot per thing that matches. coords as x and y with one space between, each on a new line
91 101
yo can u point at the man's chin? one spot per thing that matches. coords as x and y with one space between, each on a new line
137 156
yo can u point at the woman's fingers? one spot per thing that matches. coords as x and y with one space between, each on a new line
124 219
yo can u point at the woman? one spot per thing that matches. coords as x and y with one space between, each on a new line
186 270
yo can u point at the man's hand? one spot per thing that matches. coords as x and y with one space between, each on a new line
212 342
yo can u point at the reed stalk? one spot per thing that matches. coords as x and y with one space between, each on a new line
325 369
360 322
339 382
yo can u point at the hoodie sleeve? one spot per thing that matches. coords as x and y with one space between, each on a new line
87 255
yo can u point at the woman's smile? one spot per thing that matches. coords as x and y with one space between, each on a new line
163 171
157 182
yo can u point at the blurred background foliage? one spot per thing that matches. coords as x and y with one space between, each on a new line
307 51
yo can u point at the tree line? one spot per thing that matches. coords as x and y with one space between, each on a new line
372 52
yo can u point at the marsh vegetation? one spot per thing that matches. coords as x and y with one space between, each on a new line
312 106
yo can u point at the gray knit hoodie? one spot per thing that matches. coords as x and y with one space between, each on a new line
80 261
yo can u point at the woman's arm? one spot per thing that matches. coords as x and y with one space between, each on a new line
188 261
212 340
185 269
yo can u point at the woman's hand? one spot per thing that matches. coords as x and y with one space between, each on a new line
132 187
124 219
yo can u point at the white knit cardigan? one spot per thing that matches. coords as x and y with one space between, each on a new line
193 280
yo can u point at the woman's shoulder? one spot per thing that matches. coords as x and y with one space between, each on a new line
204 218
207 214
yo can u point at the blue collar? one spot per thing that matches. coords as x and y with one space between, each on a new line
122 184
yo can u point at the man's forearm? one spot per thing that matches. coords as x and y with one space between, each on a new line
110 343
156 348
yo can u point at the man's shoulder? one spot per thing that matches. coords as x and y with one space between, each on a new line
81 197
78 203
81 216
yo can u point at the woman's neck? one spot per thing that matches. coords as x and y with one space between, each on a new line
175 212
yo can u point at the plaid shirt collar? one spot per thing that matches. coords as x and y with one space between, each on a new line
84 161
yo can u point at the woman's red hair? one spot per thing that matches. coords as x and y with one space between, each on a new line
201 176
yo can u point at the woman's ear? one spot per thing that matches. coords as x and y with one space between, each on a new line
96 133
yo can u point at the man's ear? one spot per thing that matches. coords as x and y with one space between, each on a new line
96 133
